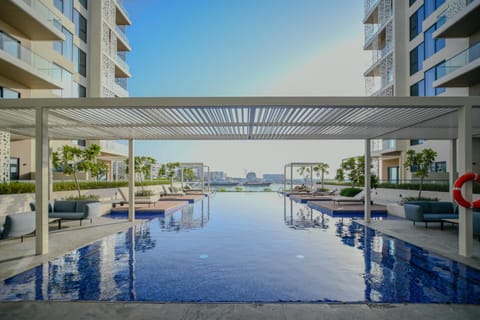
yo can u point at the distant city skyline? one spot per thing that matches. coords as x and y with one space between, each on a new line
247 48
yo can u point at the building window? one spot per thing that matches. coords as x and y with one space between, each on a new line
418 89
82 63
432 45
411 2
6 93
67 85
415 142
431 6
430 76
440 166
82 91
416 59
80 26
65 48
66 7
82 143
416 20
84 4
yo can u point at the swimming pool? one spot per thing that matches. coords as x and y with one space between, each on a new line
248 247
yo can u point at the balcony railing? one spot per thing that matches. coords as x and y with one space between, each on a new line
454 6
122 63
369 4
46 13
120 4
462 59
121 33
113 147
122 82
378 55
16 50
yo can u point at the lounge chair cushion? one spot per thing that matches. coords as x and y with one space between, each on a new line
65 206
17 225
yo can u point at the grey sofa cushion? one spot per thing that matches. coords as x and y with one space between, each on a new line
68 215
81 205
19 224
441 207
65 206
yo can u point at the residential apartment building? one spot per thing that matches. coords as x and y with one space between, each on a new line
421 48
60 48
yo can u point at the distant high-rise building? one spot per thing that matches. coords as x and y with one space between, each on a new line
421 48
64 49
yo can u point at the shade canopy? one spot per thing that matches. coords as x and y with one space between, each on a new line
245 118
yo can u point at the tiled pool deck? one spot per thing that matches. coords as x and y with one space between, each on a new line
16 257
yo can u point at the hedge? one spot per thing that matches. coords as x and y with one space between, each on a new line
29 187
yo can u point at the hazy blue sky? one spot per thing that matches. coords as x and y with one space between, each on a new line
247 48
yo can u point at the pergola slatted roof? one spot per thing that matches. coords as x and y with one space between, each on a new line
261 118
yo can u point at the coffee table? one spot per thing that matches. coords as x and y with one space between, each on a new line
452 221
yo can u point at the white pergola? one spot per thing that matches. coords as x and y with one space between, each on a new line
249 118
201 168
309 165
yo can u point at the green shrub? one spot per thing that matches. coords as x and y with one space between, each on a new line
349 192
84 197
222 190
144 193
415 186
238 189
267 190
17 187
407 199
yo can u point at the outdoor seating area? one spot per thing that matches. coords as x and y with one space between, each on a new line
72 210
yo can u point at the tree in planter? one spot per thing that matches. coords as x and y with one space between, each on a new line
420 161
143 168
305 173
354 169
73 160
321 169
168 171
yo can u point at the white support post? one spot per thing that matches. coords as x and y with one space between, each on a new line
41 181
181 177
131 180
209 178
50 174
284 178
367 190
291 177
465 222
452 168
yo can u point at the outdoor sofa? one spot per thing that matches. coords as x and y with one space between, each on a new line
18 225
359 198
72 210
429 211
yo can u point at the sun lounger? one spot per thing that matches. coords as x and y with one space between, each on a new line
169 192
358 198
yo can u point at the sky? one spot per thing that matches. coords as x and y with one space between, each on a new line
213 48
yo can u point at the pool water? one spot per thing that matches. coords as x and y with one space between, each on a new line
248 247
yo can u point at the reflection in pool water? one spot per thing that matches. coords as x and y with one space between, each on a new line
244 248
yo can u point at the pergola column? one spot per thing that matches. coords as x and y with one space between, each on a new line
131 180
367 208
41 180
465 223
452 168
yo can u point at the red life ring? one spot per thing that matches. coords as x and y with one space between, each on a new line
457 190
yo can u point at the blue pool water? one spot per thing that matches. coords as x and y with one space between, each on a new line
248 247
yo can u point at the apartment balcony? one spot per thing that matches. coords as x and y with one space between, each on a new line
120 87
374 64
32 18
121 14
388 147
463 70
371 12
122 70
122 41
23 66
459 20
376 32
112 147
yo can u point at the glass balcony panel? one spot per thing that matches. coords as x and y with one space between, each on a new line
462 59
16 50
42 10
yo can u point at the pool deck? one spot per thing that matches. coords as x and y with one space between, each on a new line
16 257
346 210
